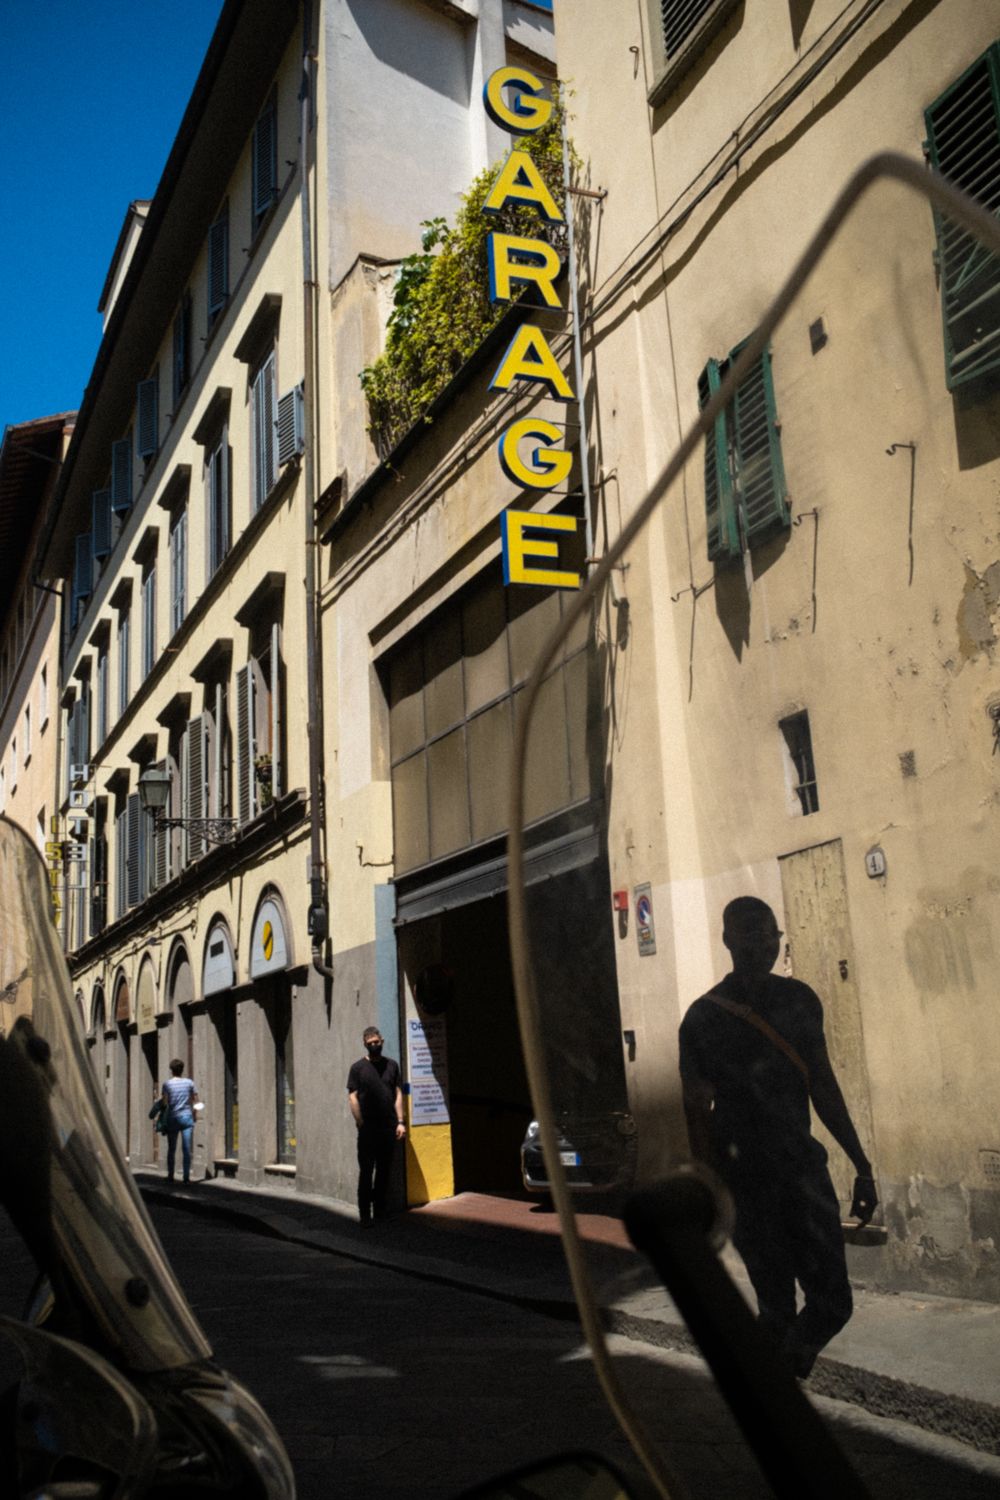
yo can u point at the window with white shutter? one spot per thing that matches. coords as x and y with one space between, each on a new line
217 501
102 693
246 741
178 568
124 658
263 416
121 862
161 842
149 619
197 753
135 849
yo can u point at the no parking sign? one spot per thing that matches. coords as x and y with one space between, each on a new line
645 932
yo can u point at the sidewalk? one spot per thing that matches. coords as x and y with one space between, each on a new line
930 1361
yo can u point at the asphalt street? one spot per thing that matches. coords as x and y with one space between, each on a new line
383 1384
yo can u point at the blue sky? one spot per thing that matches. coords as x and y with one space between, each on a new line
93 93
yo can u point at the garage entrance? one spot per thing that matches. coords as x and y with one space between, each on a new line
488 1099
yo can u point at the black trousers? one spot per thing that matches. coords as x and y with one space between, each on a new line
376 1146
789 1231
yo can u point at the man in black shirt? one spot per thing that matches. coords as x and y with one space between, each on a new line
376 1100
753 1057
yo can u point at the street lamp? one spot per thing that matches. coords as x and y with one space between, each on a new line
154 794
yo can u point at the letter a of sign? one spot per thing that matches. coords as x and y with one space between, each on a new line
530 358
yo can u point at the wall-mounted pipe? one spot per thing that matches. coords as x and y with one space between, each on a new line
318 904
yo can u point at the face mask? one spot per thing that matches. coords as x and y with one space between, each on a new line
374 1049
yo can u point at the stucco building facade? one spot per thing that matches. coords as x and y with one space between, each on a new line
787 690
243 299
30 458
814 602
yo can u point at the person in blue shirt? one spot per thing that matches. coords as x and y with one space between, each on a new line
179 1098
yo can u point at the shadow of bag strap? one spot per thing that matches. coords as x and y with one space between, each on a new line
748 1014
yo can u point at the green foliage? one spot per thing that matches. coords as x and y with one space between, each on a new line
441 308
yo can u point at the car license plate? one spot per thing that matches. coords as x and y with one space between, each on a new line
570 1158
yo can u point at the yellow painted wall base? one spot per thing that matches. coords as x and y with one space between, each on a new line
429 1173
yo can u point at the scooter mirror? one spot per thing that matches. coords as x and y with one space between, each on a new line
76 1422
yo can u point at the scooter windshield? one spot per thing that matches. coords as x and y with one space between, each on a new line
63 1179
754 909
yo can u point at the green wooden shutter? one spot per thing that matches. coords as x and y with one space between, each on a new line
720 511
760 474
963 143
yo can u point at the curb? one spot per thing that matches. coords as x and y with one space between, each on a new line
961 1418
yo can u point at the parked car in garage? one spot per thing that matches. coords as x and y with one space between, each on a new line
598 1153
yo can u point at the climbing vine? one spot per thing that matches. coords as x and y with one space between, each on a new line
441 308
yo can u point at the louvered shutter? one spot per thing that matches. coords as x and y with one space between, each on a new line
121 863
224 497
218 265
100 523
182 348
720 512
264 414
680 19
148 417
217 791
246 743
275 706
289 426
98 887
161 844
265 163
133 866
208 756
83 570
963 128
83 723
121 476
194 785
760 474
178 570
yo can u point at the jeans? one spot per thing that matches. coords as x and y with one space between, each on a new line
181 1125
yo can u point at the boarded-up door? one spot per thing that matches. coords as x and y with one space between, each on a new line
821 950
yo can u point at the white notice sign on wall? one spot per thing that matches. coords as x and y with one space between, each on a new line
427 1054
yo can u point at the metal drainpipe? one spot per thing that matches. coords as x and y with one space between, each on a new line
318 908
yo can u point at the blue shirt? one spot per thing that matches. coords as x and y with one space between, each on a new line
180 1094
